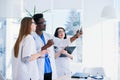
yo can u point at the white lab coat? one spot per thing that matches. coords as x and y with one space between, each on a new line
63 66
21 70
51 54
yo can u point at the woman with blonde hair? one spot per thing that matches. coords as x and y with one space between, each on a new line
25 55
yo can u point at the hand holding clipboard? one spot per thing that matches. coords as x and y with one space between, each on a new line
69 50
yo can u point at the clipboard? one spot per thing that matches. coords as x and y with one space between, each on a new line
69 49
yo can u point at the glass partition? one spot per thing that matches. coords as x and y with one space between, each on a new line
2 46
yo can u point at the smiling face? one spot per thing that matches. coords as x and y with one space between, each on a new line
61 33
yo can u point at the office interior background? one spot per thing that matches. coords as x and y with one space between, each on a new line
100 21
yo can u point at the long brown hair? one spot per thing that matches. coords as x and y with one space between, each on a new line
25 29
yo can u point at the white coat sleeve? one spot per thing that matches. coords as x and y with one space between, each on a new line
28 47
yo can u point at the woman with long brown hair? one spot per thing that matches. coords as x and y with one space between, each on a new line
25 55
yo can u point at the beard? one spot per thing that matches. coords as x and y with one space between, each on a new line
44 29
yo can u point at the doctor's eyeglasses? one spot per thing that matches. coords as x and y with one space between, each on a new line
42 23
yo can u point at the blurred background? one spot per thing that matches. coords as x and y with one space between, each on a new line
100 21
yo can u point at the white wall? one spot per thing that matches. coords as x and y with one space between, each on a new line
110 48
99 41
10 8
92 10
100 47
67 4
92 46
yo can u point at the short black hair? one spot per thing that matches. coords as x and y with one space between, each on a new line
37 16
